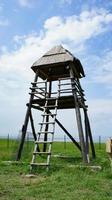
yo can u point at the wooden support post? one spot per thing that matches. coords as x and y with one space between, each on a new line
90 136
32 126
79 122
47 120
24 128
86 134
33 129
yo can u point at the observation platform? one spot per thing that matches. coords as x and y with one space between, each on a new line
64 102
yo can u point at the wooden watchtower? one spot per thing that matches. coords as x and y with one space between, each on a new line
61 66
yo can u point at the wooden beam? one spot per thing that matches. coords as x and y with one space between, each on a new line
90 136
32 126
86 134
79 121
68 134
33 129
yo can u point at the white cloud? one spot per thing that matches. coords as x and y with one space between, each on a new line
77 28
100 70
72 31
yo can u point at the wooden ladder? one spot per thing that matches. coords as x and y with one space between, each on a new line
48 119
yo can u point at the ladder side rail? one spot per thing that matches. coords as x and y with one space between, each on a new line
50 146
47 117
36 147
41 125
55 111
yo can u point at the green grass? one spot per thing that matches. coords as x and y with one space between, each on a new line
64 181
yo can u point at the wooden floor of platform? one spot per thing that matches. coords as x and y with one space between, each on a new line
64 102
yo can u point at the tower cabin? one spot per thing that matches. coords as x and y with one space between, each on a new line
60 66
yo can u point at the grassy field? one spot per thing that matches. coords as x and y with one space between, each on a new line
66 179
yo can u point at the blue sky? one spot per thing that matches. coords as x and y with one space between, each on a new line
28 28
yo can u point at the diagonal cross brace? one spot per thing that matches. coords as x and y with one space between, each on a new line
62 127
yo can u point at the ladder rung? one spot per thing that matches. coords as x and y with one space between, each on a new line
43 142
46 132
38 82
64 84
54 93
47 123
61 79
37 92
66 89
39 164
32 88
49 114
41 152
51 106
51 98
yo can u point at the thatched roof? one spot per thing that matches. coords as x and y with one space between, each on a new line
52 65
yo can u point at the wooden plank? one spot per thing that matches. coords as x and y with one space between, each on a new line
64 102
39 164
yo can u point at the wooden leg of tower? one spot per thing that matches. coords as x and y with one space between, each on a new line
81 135
24 128
86 134
90 136
32 126
79 121
33 129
